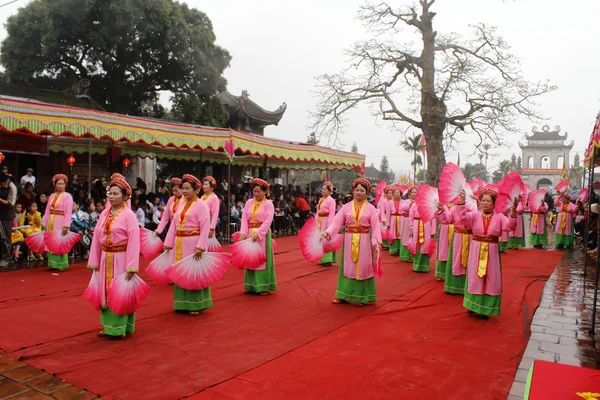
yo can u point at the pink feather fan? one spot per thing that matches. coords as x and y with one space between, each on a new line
334 244
470 198
35 242
432 247
535 199
412 246
377 263
476 184
213 245
562 186
427 202
379 191
150 244
509 189
583 194
452 182
197 274
248 254
60 244
310 241
157 268
94 291
525 193
126 296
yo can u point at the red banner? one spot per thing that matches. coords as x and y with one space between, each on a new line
22 143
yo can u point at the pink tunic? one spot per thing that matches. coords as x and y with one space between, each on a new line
445 238
213 204
264 216
519 230
368 222
383 211
395 211
325 212
189 229
170 209
118 251
428 229
462 241
58 211
405 207
491 282
539 225
567 212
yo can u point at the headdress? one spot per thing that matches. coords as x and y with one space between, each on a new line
211 180
363 182
260 182
388 188
191 179
488 191
328 185
59 177
120 181
411 187
175 181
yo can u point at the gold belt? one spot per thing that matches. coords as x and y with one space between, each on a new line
485 239
324 214
114 248
351 229
254 224
397 214
464 231
187 232
57 212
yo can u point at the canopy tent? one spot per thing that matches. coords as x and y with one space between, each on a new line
591 161
162 139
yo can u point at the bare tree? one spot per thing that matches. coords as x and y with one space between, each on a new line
445 85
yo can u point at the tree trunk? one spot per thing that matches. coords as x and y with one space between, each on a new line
433 110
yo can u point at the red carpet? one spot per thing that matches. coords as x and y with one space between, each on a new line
416 342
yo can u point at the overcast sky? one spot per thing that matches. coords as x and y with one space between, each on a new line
279 47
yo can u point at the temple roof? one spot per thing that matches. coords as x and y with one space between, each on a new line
65 98
546 134
242 106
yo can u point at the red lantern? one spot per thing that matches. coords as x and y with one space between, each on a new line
126 163
1 158
71 162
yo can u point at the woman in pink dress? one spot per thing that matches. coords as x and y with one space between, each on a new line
325 214
538 236
421 233
444 242
483 294
564 221
503 241
516 238
383 208
362 237
396 220
115 250
57 217
256 223
212 201
171 208
405 254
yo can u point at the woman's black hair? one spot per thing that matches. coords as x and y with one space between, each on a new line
264 188
123 191
27 185
363 186
210 183
194 184
173 184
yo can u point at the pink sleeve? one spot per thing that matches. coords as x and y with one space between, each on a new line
166 216
411 216
94 256
204 218
520 207
46 219
214 209
338 221
331 212
543 207
508 223
67 201
170 239
433 226
245 218
461 214
375 231
132 254
269 211
446 217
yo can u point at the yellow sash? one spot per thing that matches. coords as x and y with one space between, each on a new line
255 207
450 234
319 209
484 252
464 255
179 239
109 270
563 221
535 221
52 207
357 214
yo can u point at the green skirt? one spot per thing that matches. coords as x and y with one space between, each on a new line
502 247
329 258
483 304
262 281
58 261
191 300
356 291
385 244
395 247
453 283
440 269
116 325
564 240
405 254
420 261
536 239
516 243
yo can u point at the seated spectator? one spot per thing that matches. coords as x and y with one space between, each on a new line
80 224
33 218
27 195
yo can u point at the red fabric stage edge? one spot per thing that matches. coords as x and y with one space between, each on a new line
416 342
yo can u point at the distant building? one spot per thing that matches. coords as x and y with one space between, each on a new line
247 116
544 156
